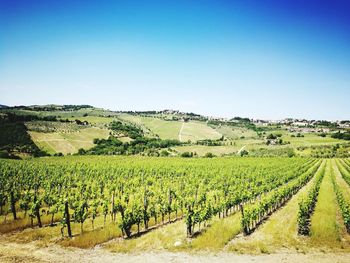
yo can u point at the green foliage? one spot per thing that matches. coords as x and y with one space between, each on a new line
341 135
237 122
253 214
126 129
244 153
80 212
271 137
327 124
186 154
345 172
307 205
209 142
14 138
140 188
273 152
330 151
343 204
54 107
209 155
113 146
164 153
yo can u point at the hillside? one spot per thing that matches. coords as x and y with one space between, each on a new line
180 129
68 129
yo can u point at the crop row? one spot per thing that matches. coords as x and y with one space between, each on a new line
307 205
81 188
343 204
255 213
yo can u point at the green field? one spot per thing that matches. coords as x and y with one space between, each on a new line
179 130
222 231
68 142
194 131
310 139
155 126
236 132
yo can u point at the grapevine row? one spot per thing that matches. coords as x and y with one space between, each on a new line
343 204
345 171
131 192
254 214
307 205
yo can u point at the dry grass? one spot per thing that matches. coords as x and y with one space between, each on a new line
88 239
173 237
325 228
219 233
95 237
101 234
170 237
24 222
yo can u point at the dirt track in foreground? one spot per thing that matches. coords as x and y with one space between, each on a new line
13 252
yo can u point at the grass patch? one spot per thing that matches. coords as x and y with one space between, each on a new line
24 222
219 233
192 130
195 131
324 223
236 132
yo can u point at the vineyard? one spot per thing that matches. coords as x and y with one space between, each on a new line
86 201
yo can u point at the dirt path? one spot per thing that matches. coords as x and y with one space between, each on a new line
241 149
180 135
13 252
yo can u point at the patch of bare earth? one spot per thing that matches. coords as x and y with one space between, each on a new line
14 252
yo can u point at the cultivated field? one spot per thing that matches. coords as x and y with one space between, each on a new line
68 142
137 204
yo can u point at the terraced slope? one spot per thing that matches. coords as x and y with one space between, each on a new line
69 142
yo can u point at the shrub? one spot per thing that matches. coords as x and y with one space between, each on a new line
187 154
209 155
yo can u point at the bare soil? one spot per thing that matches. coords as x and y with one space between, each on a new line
15 252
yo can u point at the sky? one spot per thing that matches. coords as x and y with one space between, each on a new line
257 59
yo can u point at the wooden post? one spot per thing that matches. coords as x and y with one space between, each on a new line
66 211
13 205
245 229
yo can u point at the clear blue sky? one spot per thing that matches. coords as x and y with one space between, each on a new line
262 59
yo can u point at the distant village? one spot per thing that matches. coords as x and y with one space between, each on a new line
303 125
293 125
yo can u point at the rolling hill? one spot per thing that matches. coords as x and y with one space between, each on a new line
64 129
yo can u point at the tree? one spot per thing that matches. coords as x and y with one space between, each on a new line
244 153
